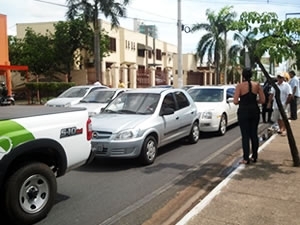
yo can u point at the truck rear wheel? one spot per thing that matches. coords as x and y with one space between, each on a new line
30 193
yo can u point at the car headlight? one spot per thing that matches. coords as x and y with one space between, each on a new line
207 115
127 134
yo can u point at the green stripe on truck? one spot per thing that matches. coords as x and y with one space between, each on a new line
15 134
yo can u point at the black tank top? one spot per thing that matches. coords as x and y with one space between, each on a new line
248 101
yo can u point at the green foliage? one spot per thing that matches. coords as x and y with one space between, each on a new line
48 88
69 39
37 52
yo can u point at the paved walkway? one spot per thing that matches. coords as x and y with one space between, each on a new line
265 193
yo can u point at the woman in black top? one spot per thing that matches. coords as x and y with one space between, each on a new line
248 113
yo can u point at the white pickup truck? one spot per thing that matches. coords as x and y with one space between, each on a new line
38 144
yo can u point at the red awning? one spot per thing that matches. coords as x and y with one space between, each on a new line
12 67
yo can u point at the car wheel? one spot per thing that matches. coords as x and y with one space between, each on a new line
30 193
194 134
223 125
149 151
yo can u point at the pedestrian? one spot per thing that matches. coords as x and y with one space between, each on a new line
248 113
97 82
285 95
121 84
266 112
294 83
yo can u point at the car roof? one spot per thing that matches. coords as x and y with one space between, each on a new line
153 90
212 87
88 86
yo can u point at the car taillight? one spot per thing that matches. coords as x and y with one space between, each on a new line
89 129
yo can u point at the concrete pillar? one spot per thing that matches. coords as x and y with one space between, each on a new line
152 76
115 71
132 74
210 78
205 78
108 77
124 74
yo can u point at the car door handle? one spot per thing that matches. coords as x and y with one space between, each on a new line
177 118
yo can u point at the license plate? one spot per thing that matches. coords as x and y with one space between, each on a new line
97 147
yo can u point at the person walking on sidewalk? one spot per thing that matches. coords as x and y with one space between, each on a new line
248 113
294 83
266 113
285 95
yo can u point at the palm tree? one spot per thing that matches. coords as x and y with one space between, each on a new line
237 52
90 10
212 43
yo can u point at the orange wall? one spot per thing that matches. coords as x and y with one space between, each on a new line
3 41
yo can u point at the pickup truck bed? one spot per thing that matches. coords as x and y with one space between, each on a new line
14 112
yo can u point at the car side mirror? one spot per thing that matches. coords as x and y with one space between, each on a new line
230 100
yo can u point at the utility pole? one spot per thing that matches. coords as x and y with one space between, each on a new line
179 46
98 61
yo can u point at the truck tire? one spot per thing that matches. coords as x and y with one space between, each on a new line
30 193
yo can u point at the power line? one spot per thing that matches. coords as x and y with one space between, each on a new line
52 3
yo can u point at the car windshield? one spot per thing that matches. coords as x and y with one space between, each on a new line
133 103
75 92
206 95
99 97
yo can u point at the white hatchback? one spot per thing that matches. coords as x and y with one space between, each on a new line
98 99
73 95
217 110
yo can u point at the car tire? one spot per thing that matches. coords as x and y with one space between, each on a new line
30 193
149 151
194 134
223 125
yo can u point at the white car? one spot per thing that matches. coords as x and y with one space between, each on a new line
98 99
73 95
217 110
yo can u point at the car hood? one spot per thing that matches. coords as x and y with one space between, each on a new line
91 107
117 122
204 106
63 101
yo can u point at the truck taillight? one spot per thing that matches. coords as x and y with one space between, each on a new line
89 129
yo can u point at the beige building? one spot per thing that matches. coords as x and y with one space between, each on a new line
131 53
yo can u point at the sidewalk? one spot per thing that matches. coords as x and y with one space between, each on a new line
265 193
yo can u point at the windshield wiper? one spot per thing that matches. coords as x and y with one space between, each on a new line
109 111
126 111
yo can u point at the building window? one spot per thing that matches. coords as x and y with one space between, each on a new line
150 54
141 52
112 44
158 54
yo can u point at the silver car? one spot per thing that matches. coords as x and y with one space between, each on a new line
138 122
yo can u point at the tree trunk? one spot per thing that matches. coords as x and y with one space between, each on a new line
291 139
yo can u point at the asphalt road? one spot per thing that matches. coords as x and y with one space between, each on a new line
122 192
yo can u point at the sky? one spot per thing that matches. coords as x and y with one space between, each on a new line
162 13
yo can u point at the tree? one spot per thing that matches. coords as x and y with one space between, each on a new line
212 43
90 11
237 52
69 39
36 51
279 39
15 50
